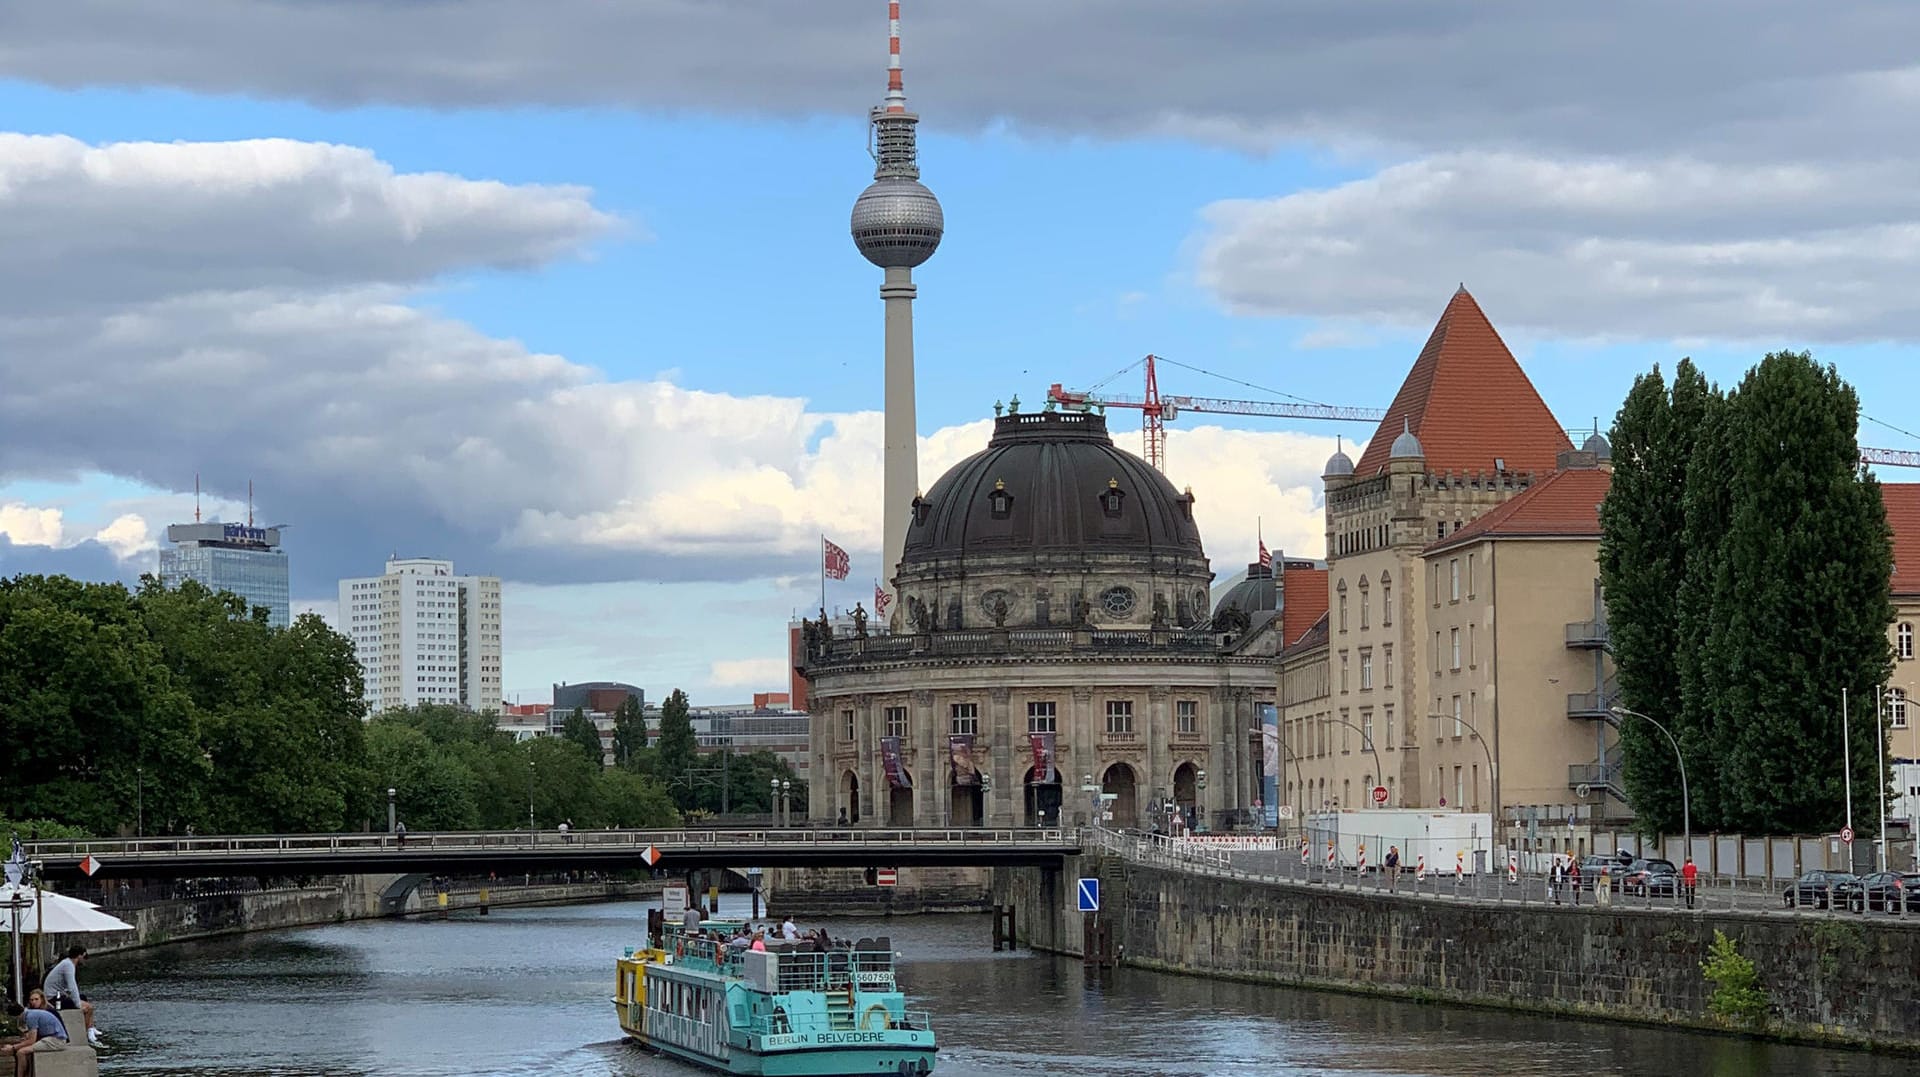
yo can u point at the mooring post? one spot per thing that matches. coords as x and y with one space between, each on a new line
485 896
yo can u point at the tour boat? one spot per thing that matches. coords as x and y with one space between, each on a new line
798 1009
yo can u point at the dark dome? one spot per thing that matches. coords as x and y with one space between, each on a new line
1255 594
1051 481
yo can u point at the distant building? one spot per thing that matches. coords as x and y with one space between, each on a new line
425 635
1903 733
797 686
769 723
247 561
605 696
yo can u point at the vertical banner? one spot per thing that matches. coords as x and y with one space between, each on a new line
1043 771
960 750
1270 762
895 767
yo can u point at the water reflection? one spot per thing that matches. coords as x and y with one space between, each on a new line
526 992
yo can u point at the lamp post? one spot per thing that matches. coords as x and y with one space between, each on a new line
786 802
139 802
1366 740
1493 773
774 807
530 827
1200 801
1093 799
1686 802
392 815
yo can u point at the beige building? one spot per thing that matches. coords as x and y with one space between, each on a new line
1417 679
1903 687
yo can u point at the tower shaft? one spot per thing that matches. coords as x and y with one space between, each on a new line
900 461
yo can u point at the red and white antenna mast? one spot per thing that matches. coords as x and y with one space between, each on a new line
196 497
896 91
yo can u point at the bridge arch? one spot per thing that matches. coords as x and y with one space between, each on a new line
1124 784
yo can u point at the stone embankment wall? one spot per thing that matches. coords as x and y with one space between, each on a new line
351 898
810 892
1830 979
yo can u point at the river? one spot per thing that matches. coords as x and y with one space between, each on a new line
525 992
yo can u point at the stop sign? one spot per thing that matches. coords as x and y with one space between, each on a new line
1379 794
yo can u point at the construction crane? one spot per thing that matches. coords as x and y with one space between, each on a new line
1890 457
1157 410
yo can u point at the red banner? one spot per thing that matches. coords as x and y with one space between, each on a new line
1043 771
960 751
893 765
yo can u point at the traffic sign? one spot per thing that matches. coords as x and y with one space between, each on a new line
1379 794
1089 894
1846 834
651 856
886 877
89 865
1284 811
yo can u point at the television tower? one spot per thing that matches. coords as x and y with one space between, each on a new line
897 225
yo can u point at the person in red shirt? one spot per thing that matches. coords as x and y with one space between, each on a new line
1689 878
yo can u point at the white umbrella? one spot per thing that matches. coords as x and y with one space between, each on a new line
56 914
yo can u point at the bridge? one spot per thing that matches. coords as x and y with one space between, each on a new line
474 852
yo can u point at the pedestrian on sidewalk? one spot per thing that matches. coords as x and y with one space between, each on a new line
1689 878
1393 867
1573 879
1556 877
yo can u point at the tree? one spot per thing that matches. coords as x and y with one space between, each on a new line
629 733
625 799
580 731
561 781
1643 558
677 749
1805 570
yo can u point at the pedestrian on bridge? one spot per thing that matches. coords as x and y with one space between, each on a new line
1573 879
1689 879
1393 867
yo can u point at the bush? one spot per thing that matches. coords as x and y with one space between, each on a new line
1738 999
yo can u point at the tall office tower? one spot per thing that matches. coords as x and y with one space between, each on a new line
425 635
897 224
240 558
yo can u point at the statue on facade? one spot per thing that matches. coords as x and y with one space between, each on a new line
1159 611
953 613
809 635
826 626
859 621
1000 611
1233 620
1080 611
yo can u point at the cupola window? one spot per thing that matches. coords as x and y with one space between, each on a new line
999 501
1114 497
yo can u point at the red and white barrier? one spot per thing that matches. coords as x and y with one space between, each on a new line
1420 870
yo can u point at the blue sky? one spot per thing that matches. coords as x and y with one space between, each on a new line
682 346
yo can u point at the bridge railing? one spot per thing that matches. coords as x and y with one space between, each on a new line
213 847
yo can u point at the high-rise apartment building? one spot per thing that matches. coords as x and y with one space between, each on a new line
425 635
239 558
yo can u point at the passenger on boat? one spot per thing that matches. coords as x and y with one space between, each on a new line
760 941
740 941
789 930
691 918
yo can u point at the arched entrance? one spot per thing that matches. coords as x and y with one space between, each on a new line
1042 799
1186 794
1125 805
900 806
850 796
968 805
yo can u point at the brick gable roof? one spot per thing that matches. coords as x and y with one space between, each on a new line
1564 505
1903 514
1469 403
1303 601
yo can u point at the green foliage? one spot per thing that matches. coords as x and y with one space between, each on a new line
37 830
1740 612
1840 947
677 748
629 733
1738 999
729 783
580 731
168 708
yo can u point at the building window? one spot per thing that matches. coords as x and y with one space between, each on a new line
1386 599
1433 583
1904 641
1120 716
896 721
1366 668
1041 717
1118 601
1343 606
1365 606
1453 644
1366 729
1897 707
1346 732
1453 579
965 718
1470 576
1343 672
1473 647
1458 727
1386 715
1186 716
1386 657
846 725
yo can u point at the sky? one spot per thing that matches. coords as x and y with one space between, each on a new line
564 291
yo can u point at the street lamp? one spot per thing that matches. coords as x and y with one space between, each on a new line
1686 803
391 814
1093 799
1200 801
530 827
1493 766
786 802
774 807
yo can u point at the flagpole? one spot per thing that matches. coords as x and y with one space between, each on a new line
1846 762
823 575
1880 765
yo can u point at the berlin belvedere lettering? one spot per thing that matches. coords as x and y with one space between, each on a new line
797 1039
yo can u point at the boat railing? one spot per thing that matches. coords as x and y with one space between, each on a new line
868 969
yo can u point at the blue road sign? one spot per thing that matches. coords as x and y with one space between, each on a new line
1089 895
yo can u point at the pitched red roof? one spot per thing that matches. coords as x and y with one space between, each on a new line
1303 600
1469 403
1316 635
1564 505
1903 514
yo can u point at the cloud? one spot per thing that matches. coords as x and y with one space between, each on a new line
127 536
25 525
755 672
1237 71
1672 248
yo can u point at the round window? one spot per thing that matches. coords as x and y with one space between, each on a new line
1118 601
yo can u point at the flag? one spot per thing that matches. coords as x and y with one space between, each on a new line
881 600
1266 559
834 561
16 866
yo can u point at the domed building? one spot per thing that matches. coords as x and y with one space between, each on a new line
1056 631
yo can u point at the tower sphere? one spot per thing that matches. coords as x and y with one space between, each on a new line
897 223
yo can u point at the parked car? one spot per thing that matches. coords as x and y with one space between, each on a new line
1651 877
1615 866
1887 891
1816 888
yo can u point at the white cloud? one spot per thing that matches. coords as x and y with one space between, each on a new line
750 672
1603 248
26 525
127 536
